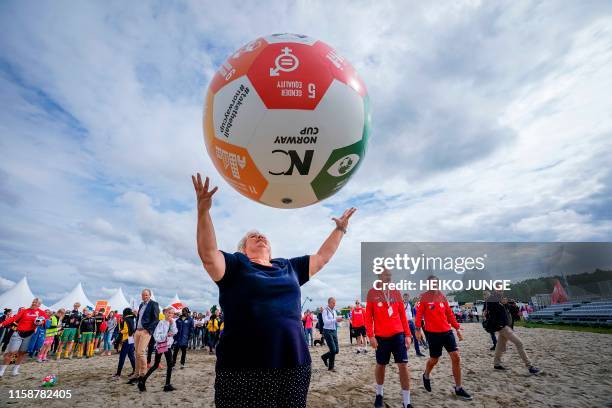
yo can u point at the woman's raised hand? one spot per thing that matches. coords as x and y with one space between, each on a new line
203 195
342 222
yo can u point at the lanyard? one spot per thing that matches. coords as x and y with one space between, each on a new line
387 297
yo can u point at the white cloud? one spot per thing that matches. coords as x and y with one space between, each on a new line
491 122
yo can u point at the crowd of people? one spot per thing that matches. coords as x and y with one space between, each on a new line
82 333
260 299
390 324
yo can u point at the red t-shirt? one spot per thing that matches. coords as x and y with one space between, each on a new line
438 315
358 316
308 322
378 319
25 319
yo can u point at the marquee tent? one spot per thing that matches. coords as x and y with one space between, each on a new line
76 295
118 301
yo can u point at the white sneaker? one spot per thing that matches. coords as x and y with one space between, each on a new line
15 370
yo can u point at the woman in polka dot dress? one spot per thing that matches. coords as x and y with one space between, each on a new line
262 355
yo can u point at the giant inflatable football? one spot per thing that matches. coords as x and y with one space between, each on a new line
286 120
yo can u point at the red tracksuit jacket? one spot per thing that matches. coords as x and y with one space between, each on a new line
434 308
377 319
25 319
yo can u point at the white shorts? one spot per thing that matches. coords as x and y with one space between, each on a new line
17 343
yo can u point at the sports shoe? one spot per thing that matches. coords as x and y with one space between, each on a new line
15 370
378 402
141 386
168 388
492 348
427 383
324 361
133 380
182 366
461 393
500 367
533 370
420 355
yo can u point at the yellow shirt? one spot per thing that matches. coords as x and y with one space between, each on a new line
124 332
213 325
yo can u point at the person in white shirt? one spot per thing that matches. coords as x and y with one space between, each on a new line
164 337
330 332
198 325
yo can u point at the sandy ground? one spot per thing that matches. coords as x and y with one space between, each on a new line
577 372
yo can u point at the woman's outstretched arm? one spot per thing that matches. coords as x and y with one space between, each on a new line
212 259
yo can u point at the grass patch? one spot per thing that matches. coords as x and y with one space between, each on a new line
565 326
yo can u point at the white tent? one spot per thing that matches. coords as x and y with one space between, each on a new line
18 296
76 295
118 301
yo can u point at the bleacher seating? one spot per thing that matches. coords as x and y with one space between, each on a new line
599 312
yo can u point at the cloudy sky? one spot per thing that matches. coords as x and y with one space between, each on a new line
491 121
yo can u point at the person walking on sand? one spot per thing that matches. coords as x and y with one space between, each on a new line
307 319
262 355
389 333
126 334
185 327
499 313
213 331
485 316
27 321
438 316
359 329
146 321
330 332
164 334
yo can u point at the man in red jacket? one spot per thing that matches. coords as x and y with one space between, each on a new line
389 333
433 308
26 325
358 324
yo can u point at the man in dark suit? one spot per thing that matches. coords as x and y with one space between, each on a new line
146 321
